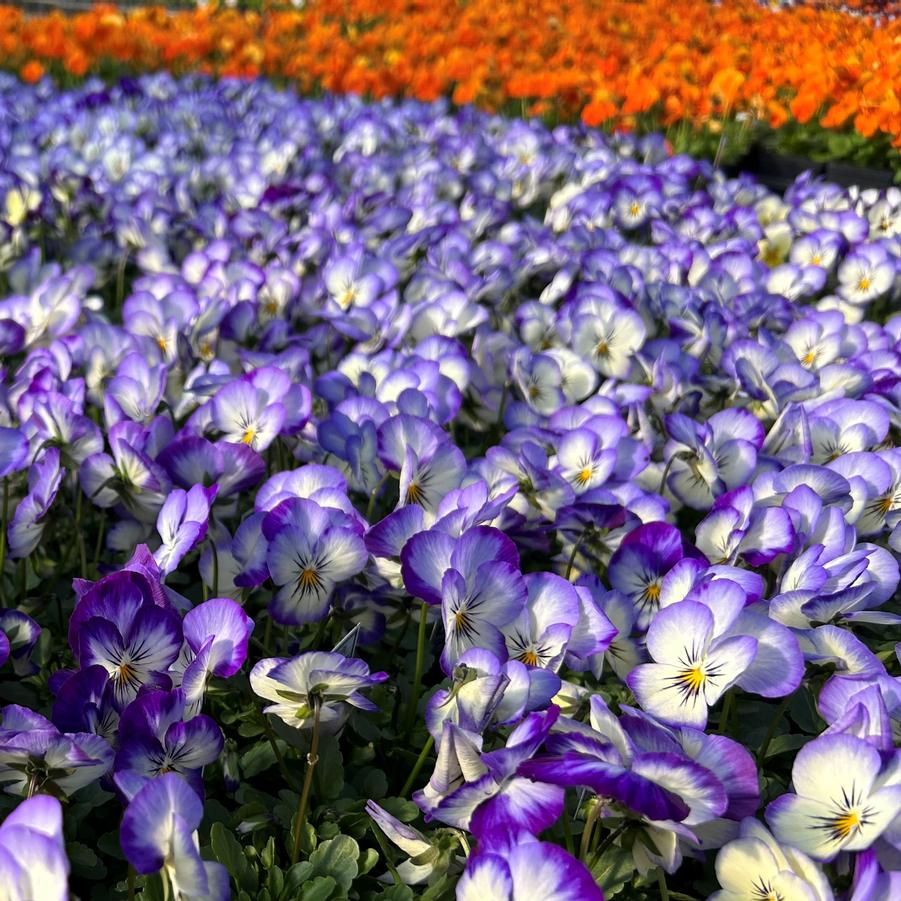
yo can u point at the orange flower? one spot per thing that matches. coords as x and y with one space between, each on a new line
619 62
32 71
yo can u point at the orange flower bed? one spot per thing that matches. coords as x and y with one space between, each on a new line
610 61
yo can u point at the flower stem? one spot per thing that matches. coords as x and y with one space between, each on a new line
373 496
612 836
312 760
726 713
98 547
661 881
585 844
391 868
267 727
215 585
423 754
417 672
771 731
572 557
120 280
79 533
3 539
131 883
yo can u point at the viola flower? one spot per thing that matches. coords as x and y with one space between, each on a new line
19 634
35 756
13 451
638 567
85 703
26 526
298 686
191 461
486 691
216 634
159 833
182 524
539 636
155 738
33 862
691 669
425 858
540 380
245 413
311 550
705 461
135 642
844 798
128 477
584 461
659 782
756 864
430 466
866 273
608 334
736 527
498 805
529 869
481 591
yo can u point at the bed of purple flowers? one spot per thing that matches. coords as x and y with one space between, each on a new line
403 502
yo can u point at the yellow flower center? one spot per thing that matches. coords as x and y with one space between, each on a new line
602 348
346 298
809 358
414 493
308 579
652 592
529 658
124 673
847 823
693 679
634 209
863 284
162 343
249 435
816 260
584 477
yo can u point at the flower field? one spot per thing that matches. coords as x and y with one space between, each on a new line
404 498
825 83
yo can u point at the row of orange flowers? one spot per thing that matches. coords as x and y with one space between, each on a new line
607 60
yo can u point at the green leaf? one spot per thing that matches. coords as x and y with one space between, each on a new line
275 880
402 808
329 773
259 758
337 858
613 870
396 893
803 712
373 784
84 861
367 860
782 743
297 876
267 855
108 843
230 853
318 889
